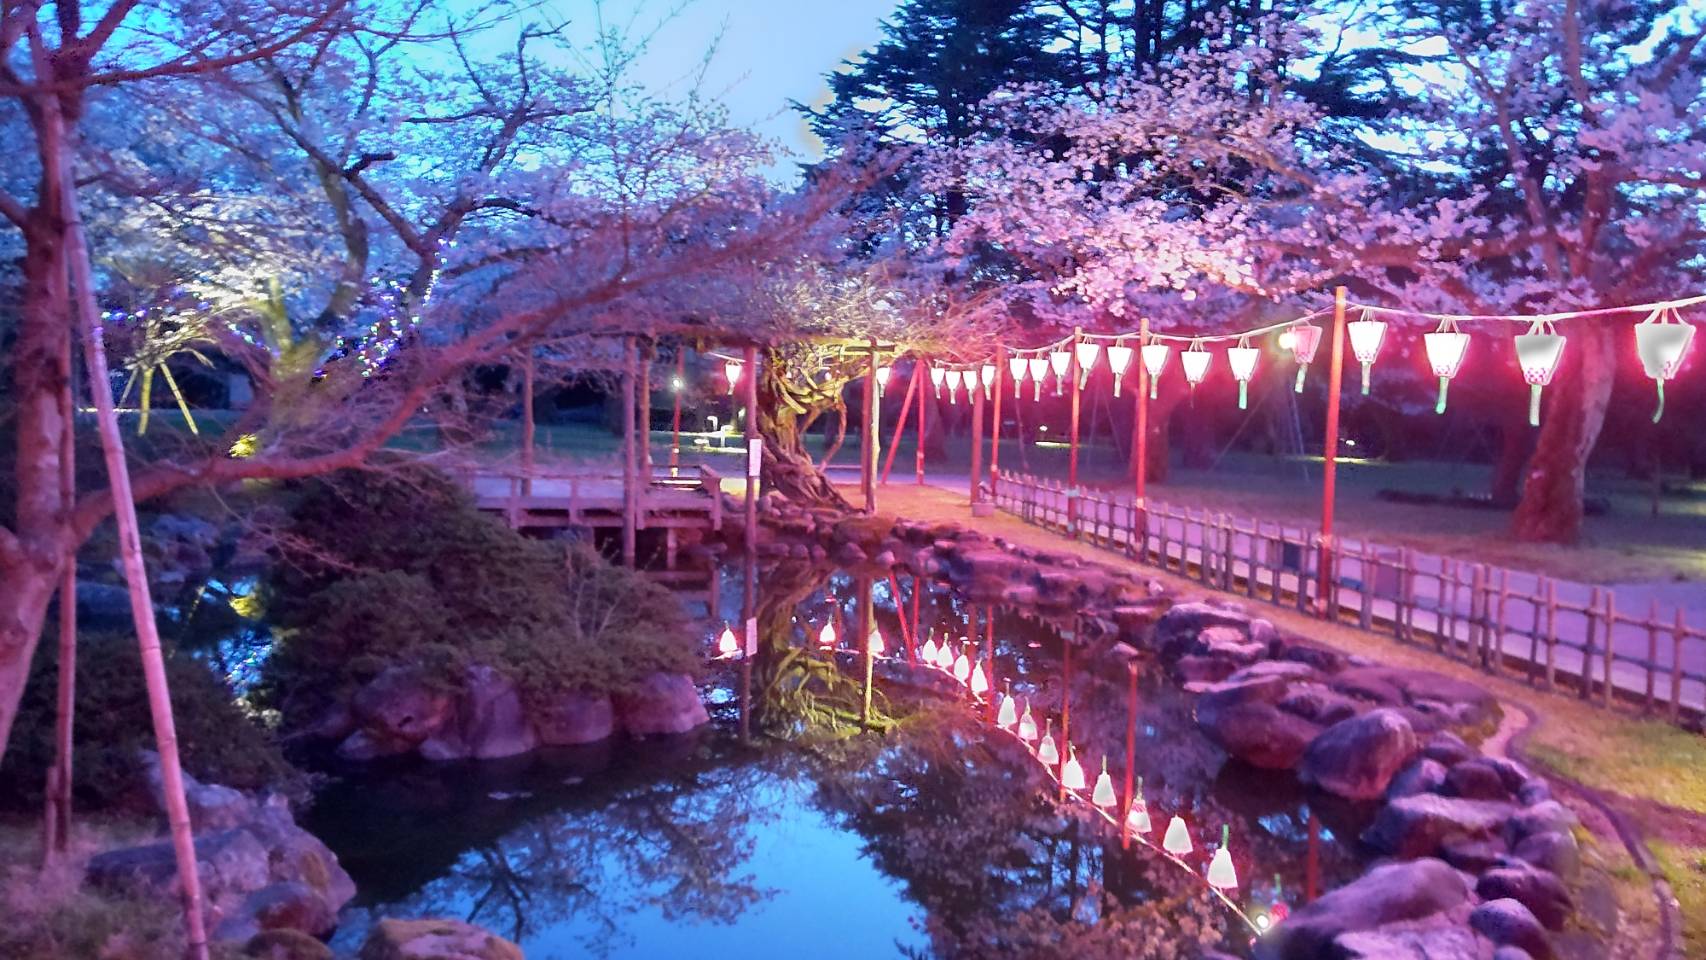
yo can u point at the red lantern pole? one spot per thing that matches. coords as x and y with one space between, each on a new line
995 423
976 446
1140 446
1130 754
989 655
922 374
1329 477
1065 709
1072 456
900 426
868 448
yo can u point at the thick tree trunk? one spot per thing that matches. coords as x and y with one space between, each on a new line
1515 441
1160 412
787 468
1551 507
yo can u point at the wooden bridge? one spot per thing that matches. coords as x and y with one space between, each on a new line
545 498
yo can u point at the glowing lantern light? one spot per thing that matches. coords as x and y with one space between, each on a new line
1007 716
962 666
1017 367
1177 840
1039 369
1242 359
1155 361
1027 726
953 384
1119 361
1446 347
1538 352
727 645
1221 874
1195 363
1072 774
936 375
944 657
1662 340
1046 751
1137 818
1367 334
883 378
1088 351
731 372
927 653
826 637
1060 361
874 643
979 682
989 377
1301 339
1103 795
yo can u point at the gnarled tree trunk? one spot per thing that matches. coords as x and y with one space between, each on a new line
1551 507
783 409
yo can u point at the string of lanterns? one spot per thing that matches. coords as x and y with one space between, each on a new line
1662 340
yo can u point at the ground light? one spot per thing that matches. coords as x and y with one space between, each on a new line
945 656
1538 352
928 651
979 683
962 664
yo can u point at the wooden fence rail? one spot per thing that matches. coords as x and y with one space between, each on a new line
1499 620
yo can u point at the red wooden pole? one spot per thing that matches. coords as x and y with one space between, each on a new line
679 384
922 373
868 434
753 452
900 426
1329 476
989 655
1140 448
1066 709
976 445
630 453
995 424
1072 457
1130 754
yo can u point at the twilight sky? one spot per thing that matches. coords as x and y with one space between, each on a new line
769 52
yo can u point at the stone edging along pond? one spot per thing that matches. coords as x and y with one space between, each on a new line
1476 854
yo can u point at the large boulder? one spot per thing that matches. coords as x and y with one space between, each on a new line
1423 775
1435 938
392 939
1228 643
662 703
1260 734
1289 669
1387 894
1183 622
400 708
1539 890
230 863
573 718
488 722
1357 758
1508 923
1320 704
1554 850
1476 779
1417 825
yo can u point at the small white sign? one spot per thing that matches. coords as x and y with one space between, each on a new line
751 636
754 456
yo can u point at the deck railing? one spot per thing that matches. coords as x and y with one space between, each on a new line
1553 633
585 484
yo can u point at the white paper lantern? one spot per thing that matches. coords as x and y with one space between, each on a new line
826 637
1046 750
1039 370
962 666
1072 773
883 374
727 645
1662 341
874 643
936 376
1367 334
1137 818
1027 725
1538 352
1119 361
1017 367
1103 796
1088 351
731 373
927 653
989 375
1177 840
1060 361
1446 347
1242 359
1007 716
944 656
1221 874
953 378
1303 339
979 682
1154 361
1195 362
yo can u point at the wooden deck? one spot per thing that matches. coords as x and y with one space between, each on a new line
690 497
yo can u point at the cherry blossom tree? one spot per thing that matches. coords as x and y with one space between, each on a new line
1545 159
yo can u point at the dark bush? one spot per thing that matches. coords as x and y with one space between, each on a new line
396 567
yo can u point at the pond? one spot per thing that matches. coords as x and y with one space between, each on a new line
845 805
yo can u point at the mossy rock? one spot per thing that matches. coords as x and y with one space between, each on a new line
868 532
434 939
286 945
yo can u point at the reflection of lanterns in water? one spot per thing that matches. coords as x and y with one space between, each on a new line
826 637
1103 795
1046 751
1007 715
1072 775
1137 818
727 646
962 665
944 656
1221 874
927 653
1027 726
731 371
979 682
875 642
1178 838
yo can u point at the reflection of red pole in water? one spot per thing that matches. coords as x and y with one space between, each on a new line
1130 755
917 593
1312 867
1065 708
989 655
